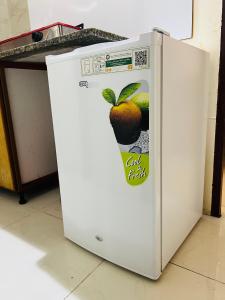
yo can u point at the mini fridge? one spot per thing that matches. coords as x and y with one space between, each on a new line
129 120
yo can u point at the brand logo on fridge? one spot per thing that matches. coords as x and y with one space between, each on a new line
83 83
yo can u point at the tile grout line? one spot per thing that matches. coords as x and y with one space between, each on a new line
35 210
84 279
44 207
51 215
19 220
208 277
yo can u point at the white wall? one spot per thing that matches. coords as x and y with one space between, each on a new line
14 18
206 35
124 17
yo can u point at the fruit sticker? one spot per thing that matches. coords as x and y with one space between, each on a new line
129 117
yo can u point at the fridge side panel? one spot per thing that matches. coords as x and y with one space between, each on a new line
184 116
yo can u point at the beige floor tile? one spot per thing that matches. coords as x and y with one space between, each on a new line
54 209
204 249
48 202
110 282
43 199
37 262
10 210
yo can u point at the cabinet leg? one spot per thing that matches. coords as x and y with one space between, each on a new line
22 199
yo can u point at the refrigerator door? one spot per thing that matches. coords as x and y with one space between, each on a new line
108 155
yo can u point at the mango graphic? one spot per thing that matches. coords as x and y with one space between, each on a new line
125 116
142 101
128 117
126 122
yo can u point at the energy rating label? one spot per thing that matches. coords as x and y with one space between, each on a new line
127 60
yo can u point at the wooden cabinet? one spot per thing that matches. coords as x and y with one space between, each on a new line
27 149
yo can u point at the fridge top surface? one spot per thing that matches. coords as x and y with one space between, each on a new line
151 39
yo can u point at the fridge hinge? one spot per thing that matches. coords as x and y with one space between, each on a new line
160 30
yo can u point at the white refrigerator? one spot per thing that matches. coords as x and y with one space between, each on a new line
129 120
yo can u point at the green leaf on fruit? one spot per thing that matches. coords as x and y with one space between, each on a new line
128 91
109 96
141 100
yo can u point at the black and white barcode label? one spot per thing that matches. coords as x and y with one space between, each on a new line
141 58
126 60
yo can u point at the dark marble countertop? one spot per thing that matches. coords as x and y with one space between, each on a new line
36 52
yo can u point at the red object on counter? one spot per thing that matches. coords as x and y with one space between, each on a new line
46 32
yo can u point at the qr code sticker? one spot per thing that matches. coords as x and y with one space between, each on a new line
141 58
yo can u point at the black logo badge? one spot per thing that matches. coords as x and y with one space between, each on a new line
83 83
